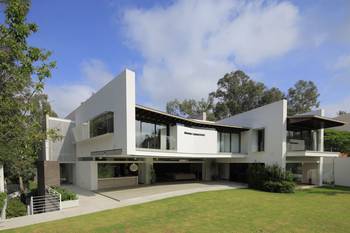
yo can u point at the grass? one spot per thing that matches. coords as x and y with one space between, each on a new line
243 210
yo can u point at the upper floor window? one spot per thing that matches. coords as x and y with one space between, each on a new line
229 142
151 135
102 124
261 139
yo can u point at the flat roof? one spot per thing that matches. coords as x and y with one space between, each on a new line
298 122
151 114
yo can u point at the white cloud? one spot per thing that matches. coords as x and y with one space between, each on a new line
342 63
188 45
65 98
96 72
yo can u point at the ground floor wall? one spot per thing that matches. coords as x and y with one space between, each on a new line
337 171
306 170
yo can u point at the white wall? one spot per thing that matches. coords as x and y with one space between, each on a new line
341 171
196 143
271 117
86 174
117 96
63 149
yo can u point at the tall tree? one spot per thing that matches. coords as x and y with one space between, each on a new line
190 107
237 93
23 71
302 97
341 112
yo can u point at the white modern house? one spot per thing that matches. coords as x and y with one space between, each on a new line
109 141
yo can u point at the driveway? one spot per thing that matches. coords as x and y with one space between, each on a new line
90 202
164 190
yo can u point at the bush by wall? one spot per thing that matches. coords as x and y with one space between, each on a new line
15 208
3 196
270 179
66 194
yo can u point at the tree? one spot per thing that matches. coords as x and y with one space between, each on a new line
237 93
302 97
190 108
341 112
23 71
337 141
272 95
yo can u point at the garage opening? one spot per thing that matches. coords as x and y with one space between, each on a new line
169 172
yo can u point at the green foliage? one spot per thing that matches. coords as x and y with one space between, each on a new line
191 108
15 208
279 186
337 141
23 104
302 97
270 179
105 171
66 194
237 93
3 196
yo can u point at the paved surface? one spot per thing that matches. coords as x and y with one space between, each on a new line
90 202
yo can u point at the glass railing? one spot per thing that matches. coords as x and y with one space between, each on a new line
301 145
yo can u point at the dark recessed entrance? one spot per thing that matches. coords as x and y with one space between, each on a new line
167 172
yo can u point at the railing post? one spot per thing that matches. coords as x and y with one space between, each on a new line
31 205
60 201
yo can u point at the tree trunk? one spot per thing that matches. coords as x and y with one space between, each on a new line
21 186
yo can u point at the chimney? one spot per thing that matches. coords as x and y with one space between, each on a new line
202 116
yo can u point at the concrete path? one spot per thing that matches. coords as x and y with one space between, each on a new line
90 202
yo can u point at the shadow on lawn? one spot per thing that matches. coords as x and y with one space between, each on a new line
328 190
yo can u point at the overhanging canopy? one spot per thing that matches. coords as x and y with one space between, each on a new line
311 122
152 115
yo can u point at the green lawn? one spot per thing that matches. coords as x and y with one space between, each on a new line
244 210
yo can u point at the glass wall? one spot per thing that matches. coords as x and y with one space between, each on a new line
109 170
229 142
151 135
102 124
302 140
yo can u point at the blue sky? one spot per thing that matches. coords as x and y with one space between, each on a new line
172 43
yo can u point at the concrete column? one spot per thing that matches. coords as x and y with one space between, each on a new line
148 170
314 140
320 140
320 172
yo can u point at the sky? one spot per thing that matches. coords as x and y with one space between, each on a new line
179 49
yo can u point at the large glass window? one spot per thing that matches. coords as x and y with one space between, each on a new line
261 139
229 142
102 124
151 135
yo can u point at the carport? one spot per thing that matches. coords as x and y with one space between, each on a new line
177 170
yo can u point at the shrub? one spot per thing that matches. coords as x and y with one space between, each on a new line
279 186
270 179
3 196
15 208
256 173
66 194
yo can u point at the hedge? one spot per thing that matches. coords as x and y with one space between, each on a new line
270 178
15 208
66 194
3 196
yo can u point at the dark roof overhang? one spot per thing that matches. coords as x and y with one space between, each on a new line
152 115
311 122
